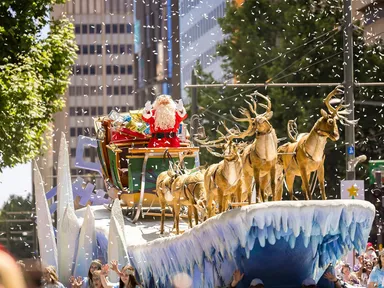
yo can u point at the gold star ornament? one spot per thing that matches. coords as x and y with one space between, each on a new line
353 191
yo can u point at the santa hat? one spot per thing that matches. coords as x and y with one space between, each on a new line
256 281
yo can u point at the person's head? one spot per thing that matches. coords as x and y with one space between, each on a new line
127 277
96 281
95 265
50 275
380 259
256 283
308 283
346 269
369 245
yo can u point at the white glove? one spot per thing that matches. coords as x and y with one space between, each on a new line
148 106
179 105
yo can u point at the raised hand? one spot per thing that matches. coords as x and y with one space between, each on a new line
114 266
148 106
105 269
180 105
329 276
237 276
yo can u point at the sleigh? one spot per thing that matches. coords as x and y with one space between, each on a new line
131 169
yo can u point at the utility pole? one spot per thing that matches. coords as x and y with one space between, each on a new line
349 86
194 107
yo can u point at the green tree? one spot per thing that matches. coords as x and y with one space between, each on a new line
16 224
297 41
34 74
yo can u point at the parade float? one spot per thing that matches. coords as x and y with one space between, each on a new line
281 242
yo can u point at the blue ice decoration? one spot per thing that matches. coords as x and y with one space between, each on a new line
127 118
299 238
89 193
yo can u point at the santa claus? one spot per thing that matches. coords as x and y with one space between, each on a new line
164 119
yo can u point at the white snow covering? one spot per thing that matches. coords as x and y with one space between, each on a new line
87 247
349 220
67 243
45 234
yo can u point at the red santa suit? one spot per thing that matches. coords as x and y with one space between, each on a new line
164 120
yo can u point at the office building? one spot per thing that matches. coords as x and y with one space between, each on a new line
200 33
371 13
157 58
102 76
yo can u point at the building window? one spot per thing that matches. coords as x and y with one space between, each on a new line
122 49
116 90
123 109
72 111
72 91
73 172
86 90
93 111
129 28
85 70
98 28
115 69
73 151
79 131
100 110
122 28
123 89
109 69
77 29
130 90
92 70
129 48
92 29
87 152
84 29
91 49
72 131
107 48
109 90
107 28
78 49
122 69
115 49
93 90
109 109
79 90
130 70
85 49
85 111
115 28
98 49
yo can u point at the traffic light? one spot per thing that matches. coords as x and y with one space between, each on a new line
378 194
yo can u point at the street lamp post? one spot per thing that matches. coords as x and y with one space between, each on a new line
348 86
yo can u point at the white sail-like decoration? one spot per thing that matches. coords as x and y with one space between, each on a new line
87 246
67 243
117 249
45 233
117 212
64 186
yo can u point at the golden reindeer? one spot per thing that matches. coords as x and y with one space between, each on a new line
223 179
306 154
259 158
189 190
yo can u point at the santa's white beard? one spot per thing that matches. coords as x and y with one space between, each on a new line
165 117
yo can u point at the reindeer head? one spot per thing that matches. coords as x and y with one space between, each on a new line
230 151
201 206
327 124
258 124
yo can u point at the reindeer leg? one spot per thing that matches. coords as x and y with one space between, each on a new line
190 216
290 178
305 182
225 202
273 179
196 215
162 204
246 184
256 175
176 208
220 200
320 177
209 203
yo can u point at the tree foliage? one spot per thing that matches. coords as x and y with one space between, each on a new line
34 74
296 41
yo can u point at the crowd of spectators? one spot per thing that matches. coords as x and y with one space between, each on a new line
367 272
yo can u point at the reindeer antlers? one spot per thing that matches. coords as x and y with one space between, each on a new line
335 111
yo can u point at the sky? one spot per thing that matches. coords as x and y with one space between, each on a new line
17 180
